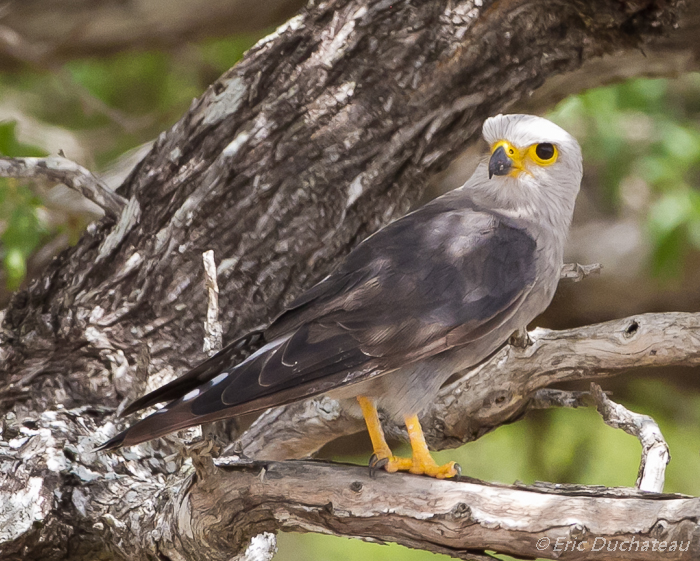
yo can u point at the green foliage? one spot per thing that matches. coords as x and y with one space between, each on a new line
10 146
21 230
315 547
645 135
115 104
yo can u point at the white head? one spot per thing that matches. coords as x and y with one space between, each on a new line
534 170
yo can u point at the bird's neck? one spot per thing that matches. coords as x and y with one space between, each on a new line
546 212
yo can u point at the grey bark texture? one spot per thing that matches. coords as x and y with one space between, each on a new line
324 132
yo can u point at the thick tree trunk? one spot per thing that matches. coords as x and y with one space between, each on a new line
326 130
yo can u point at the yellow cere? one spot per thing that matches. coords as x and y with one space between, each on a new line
522 157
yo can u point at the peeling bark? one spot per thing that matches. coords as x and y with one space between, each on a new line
326 130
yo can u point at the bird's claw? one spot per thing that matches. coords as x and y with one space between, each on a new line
393 464
375 463
431 469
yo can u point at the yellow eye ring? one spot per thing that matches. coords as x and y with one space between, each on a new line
543 154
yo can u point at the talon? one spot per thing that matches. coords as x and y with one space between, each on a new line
373 459
446 471
382 463
378 463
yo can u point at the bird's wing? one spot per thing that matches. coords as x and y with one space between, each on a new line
438 278
233 353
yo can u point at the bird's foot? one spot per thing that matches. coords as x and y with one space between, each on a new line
389 463
418 466
428 466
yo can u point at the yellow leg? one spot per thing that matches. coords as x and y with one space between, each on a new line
382 456
421 463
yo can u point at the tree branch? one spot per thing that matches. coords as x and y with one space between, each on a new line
212 325
574 272
547 398
498 391
62 170
458 518
173 513
655 454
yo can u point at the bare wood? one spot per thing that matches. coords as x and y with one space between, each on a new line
62 170
549 397
262 548
212 325
575 272
84 28
461 519
655 453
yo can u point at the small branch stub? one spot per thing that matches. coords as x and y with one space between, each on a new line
212 325
655 453
213 342
75 176
574 272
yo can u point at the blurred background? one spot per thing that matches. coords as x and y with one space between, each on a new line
101 86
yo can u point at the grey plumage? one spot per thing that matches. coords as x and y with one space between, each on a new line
434 292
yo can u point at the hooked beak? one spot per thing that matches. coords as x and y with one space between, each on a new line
500 163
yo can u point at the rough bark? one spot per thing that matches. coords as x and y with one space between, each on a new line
324 132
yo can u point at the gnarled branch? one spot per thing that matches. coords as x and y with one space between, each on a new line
62 170
655 454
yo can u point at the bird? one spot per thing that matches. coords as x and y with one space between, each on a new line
430 294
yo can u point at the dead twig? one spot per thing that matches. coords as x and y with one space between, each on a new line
655 453
212 325
71 174
575 272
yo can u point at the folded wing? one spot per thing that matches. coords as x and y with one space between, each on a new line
438 278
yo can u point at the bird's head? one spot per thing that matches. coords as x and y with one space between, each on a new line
534 167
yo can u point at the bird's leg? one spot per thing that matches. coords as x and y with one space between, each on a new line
422 462
382 456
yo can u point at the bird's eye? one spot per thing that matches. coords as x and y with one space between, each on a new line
545 151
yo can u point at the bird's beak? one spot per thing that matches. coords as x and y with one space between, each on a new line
500 163
505 159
